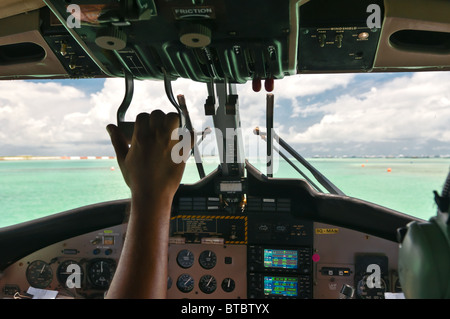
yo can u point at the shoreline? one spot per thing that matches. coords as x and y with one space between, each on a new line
46 158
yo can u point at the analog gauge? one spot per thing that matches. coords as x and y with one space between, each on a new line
39 274
207 284
207 259
364 292
100 272
185 283
228 285
67 268
185 258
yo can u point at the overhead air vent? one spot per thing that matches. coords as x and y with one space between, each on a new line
18 53
421 41
24 53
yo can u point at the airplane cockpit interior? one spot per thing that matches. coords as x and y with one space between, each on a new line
238 232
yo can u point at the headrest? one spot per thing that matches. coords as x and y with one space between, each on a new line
424 254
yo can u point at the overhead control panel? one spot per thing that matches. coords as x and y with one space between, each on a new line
331 43
71 55
199 40
222 40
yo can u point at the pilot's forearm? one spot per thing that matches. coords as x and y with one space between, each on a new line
142 269
153 177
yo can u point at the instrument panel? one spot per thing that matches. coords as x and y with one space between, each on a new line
201 271
279 257
81 267
230 238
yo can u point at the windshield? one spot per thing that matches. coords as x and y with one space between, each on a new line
379 137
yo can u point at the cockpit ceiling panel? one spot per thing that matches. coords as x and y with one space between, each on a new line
227 40
9 8
238 41
24 51
415 37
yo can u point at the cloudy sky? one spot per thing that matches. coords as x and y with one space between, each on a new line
345 114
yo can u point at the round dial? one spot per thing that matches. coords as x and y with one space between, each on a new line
39 274
67 268
185 258
228 285
207 259
185 283
207 284
100 272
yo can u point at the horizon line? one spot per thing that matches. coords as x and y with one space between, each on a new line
44 157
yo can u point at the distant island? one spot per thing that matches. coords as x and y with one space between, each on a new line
46 158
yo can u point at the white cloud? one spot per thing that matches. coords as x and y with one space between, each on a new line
292 88
148 96
286 94
404 108
36 115
30 113
63 120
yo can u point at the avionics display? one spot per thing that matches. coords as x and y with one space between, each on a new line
280 286
280 258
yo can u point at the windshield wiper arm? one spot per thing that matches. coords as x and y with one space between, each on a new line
263 135
271 135
325 182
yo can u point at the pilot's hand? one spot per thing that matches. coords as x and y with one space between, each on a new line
153 171
149 166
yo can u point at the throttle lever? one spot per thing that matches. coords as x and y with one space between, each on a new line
127 128
169 93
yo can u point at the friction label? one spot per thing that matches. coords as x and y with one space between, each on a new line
205 12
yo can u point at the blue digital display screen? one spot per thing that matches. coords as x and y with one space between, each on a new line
280 286
280 258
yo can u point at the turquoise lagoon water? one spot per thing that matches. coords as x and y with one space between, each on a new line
35 188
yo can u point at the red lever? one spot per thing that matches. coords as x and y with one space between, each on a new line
268 84
256 84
